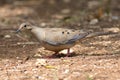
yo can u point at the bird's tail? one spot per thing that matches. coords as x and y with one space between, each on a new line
95 34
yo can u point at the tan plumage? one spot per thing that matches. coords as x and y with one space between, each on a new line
57 39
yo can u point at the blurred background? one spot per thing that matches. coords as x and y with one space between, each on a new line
80 12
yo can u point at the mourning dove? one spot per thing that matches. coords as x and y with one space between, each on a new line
57 39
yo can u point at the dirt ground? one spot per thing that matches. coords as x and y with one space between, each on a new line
22 57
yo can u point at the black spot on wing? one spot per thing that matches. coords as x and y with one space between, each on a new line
63 32
68 32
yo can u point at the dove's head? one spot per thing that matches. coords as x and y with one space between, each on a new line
24 26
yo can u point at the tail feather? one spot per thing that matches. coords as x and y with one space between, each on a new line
95 34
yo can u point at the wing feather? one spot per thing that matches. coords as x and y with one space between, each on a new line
58 38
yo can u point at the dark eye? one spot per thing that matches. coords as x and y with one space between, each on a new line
25 25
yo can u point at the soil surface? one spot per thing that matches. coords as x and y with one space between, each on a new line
23 58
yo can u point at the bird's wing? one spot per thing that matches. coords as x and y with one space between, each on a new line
58 36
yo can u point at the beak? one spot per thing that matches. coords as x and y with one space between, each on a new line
18 30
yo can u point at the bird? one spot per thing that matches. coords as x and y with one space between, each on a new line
57 39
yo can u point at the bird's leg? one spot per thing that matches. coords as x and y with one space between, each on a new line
55 54
68 52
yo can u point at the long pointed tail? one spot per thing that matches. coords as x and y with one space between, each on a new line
95 34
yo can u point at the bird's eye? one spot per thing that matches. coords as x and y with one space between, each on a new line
25 25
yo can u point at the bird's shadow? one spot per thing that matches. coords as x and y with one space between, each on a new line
55 56
111 55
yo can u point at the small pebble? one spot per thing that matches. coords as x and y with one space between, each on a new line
94 21
7 36
66 71
40 77
115 17
65 11
43 24
41 62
